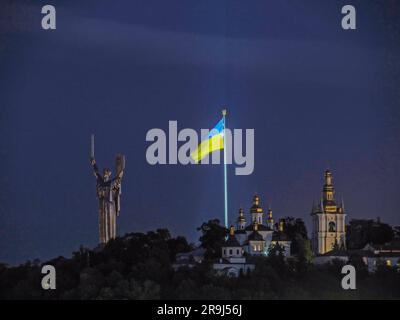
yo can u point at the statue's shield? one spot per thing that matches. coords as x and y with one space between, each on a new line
119 164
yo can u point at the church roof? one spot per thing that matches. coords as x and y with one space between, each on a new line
232 242
391 248
256 208
316 209
240 231
261 227
241 216
255 236
329 203
335 253
280 236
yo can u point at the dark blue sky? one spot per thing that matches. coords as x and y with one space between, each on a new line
316 96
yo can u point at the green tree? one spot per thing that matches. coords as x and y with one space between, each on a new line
178 245
360 232
276 258
212 238
304 254
146 290
296 231
362 269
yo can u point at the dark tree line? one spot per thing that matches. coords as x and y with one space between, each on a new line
360 232
139 266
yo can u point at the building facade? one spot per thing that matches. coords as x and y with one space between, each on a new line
233 262
328 221
255 238
260 234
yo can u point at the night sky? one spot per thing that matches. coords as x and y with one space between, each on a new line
316 95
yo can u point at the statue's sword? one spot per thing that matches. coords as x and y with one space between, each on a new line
92 146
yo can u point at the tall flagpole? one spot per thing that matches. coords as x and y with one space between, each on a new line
224 112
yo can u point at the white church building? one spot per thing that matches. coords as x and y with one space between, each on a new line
256 238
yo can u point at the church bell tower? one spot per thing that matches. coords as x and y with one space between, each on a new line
328 220
256 211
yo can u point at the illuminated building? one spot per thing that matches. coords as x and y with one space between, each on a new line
328 221
255 239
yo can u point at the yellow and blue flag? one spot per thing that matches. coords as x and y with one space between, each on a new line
214 141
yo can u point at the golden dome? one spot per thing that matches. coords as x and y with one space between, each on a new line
256 208
241 215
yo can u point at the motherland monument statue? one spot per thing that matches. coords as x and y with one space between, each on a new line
108 190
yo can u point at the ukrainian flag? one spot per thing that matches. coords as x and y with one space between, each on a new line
214 141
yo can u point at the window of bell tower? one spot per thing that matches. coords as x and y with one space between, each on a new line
332 227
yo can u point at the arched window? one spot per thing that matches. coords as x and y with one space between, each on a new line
230 252
332 227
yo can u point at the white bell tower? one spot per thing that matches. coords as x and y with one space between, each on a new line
328 221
